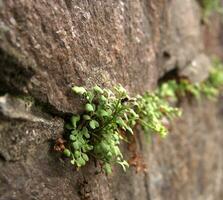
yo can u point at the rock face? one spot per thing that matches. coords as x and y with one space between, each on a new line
213 29
47 46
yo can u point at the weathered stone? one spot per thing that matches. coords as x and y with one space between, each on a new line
198 70
22 131
77 42
182 40
46 46
54 44
188 164
212 35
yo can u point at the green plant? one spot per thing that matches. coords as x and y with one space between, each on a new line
152 111
109 117
210 88
215 81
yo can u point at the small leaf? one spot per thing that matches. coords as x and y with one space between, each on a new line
90 96
98 89
163 133
105 146
86 117
72 137
129 129
77 154
134 113
103 98
72 162
67 152
124 165
74 132
121 123
74 120
79 90
90 147
85 132
85 157
103 113
84 148
117 151
116 136
109 154
80 162
89 107
69 126
94 124
76 145
107 168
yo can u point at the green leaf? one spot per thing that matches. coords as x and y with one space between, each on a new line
86 117
67 152
103 113
107 168
74 132
105 146
77 154
85 132
98 89
80 162
85 157
72 161
76 145
90 147
89 107
109 155
79 90
163 133
72 138
124 164
69 126
103 98
117 151
74 120
94 124
121 123
116 136
134 113
129 129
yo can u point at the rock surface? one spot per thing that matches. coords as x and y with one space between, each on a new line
213 29
198 70
47 46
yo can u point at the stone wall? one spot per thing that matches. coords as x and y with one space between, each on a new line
47 46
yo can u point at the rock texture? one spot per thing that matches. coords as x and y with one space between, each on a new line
213 29
47 46
190 161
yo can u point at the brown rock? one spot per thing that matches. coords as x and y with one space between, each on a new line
47 46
